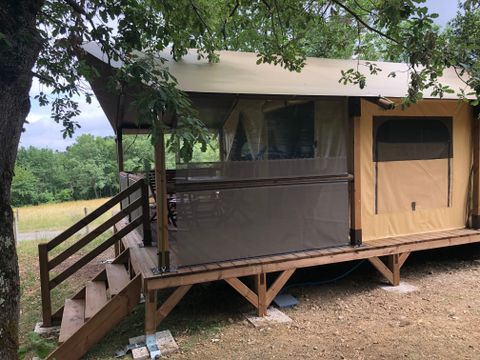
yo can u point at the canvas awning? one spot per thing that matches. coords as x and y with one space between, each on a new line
237 73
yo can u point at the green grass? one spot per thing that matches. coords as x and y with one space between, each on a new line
57 216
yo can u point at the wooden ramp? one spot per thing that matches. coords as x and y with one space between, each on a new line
96 309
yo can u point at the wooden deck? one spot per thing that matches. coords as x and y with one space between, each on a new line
386 255
145 259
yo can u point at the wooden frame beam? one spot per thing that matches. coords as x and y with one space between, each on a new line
161 202
355 187
476 173
171 302
262 297
119 142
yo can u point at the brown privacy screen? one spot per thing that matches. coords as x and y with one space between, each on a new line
412 158
282 187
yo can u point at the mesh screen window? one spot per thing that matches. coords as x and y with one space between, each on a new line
413 159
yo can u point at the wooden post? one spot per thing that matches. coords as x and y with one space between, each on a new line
261 288
119 141
476 174
85 213
147 233
161 200
355 187
394 266
45 285
150 311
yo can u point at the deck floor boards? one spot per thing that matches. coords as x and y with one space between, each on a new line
147 257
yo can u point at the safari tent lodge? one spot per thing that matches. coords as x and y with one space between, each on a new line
309 172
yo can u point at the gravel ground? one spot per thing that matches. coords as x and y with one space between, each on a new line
352 318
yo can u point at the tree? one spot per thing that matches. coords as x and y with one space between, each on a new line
41 38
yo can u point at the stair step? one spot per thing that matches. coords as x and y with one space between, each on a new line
95 297
73 318
117 277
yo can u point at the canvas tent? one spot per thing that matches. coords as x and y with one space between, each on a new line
308 163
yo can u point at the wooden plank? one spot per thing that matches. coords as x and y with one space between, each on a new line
95 297
243 290
85 259
73 318
382 268
99 325
171 302
94 234
92 216
141 261
117 278
45 285
278 285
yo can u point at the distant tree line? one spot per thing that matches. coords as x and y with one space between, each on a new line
85 170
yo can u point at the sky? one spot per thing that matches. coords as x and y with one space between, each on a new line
42 131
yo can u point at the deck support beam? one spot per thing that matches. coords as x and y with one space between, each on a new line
171 302
390 270
262 297
150 311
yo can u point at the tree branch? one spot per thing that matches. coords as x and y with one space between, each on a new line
361 21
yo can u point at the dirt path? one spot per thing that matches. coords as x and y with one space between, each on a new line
353 318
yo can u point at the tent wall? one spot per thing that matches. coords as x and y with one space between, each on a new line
412 181
283 188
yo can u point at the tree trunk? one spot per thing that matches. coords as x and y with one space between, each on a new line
19 48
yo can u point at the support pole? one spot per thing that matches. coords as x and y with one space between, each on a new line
161 200
355 187
147 232
476 174
261 287
119 141
150 311
45 285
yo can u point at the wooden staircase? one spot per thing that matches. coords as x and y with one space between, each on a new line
110 295
96 309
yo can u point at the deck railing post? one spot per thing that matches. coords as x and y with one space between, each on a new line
45 285
147 234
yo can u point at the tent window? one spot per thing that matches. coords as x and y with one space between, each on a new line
408 138
412 157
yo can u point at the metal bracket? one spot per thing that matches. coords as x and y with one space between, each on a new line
151 342
162 270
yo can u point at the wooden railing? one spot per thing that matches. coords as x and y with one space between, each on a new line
139 206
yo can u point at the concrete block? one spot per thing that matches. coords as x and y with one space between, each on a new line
274 316
403 288
140 353
165 342
39 329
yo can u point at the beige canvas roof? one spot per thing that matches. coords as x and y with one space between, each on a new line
238 73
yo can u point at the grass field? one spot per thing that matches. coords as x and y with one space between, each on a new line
56 216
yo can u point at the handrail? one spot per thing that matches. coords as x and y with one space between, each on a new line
43 249
93 215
